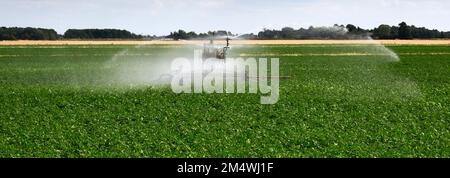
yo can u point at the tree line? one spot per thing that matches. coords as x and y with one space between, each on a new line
350 31
100 34
29 33
402 31
17 33
334 32
183 35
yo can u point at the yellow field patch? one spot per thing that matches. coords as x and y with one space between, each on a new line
250 42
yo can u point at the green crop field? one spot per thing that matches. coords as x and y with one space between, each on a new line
340 101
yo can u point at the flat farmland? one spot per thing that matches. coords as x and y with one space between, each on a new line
246 42
341 100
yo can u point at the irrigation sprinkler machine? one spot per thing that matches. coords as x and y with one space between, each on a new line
211 50
211 53
211 69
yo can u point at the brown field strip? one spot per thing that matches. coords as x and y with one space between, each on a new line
238 42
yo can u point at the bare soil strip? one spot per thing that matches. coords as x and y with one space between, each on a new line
250 42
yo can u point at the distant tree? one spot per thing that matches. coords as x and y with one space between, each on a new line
181 34
202 35
192 35
351 28
394 32
446 35
288 33
404 31
5 34
268 34
221 33
421 32
383 32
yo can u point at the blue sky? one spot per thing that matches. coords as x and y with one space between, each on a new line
159 17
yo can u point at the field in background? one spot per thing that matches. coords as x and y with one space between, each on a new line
341 101
135 42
